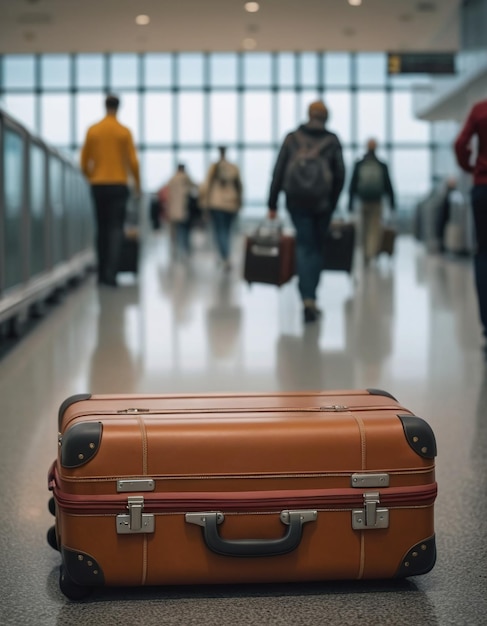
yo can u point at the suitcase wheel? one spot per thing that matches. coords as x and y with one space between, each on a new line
51 505
70 589
52 538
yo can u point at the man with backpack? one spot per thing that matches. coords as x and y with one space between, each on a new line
311 172
370 183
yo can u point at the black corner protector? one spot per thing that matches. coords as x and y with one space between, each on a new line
419 560
69 401
381 392
82 568
80 443
419 435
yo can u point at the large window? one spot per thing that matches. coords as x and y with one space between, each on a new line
181 106
13 176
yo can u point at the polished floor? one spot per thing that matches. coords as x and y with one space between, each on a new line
408 326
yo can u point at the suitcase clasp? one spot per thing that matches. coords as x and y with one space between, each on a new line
371 516
136 521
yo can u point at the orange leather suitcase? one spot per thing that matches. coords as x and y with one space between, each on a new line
236 488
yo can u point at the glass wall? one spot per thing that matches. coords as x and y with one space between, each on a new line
181 106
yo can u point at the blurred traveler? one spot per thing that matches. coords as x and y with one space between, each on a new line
370 183
221 194
180 189
310 170
108 158
476 164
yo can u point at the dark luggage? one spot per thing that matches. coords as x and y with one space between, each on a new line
269 256
129 256
155 211
241 488
339 247
387 241
458 230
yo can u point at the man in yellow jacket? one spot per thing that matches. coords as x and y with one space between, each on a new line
108 158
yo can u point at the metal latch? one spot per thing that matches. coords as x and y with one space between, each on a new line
371 516
135 521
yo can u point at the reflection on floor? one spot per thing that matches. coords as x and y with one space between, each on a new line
408 325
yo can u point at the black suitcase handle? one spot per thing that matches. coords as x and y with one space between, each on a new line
252 547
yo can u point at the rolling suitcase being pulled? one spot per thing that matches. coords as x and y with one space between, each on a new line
238 488
269 256
129 255
339 247
388 241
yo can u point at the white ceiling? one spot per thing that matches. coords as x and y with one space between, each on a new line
222 25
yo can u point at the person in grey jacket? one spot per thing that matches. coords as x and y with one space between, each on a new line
312 200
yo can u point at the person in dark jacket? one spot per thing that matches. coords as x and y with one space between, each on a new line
476 127
370 183
311 200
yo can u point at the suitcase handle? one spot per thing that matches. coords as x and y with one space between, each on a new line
268 231
252 547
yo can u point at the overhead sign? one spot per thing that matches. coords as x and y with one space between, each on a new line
421 63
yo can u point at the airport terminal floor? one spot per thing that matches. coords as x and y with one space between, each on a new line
407 325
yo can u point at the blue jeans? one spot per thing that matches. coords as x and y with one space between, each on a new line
182 236
311 229
222 227
479 207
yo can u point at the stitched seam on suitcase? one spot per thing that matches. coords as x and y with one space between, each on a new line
144 561
362 555
143 433
183 477
363 447
363 442
144 472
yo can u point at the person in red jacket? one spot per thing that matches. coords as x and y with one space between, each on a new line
476 164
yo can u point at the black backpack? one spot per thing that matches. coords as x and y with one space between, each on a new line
308 172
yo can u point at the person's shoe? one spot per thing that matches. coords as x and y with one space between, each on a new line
310 314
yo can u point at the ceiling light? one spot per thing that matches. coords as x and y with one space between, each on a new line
249 44
252 7
355 3
142 20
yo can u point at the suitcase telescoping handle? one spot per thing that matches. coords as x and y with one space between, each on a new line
252 547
